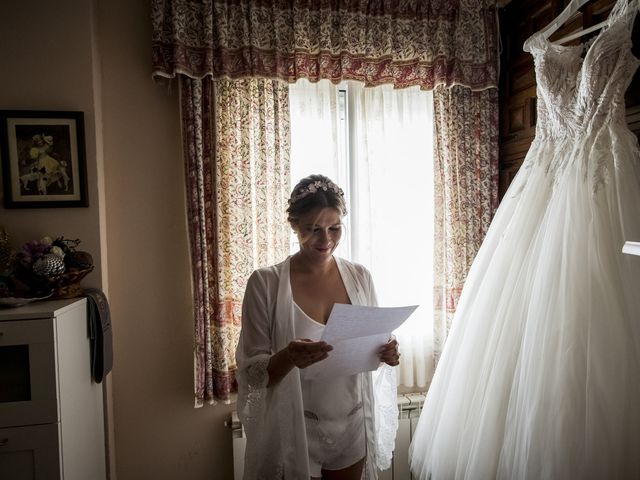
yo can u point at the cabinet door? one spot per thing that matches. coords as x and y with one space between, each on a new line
30 453
28 388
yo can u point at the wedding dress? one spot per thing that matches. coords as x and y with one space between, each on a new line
540 375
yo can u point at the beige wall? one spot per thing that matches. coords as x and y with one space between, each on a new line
94 56
46 65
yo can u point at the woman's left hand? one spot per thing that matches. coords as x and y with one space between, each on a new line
389 353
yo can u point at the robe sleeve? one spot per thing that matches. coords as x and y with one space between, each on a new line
253 353
385 400
269 415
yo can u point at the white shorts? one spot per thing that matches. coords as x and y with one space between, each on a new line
335 444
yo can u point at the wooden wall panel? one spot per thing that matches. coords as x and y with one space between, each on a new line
518 20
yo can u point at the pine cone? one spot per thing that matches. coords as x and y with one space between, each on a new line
51 265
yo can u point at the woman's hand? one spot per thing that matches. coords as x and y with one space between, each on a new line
389 353
304 352
299 353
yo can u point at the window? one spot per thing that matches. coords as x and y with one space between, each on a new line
376 143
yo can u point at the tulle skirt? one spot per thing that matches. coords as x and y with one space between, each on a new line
540 375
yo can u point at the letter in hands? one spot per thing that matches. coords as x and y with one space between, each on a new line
304 352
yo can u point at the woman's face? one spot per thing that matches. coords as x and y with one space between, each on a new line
319 233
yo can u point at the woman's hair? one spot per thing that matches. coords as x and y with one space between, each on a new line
313 192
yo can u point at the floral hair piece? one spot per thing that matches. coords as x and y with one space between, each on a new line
314 187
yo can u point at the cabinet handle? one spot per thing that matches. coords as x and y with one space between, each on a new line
3 442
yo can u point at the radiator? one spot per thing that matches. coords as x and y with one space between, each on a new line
239 444
409 407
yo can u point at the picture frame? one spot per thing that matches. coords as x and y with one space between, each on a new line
43 159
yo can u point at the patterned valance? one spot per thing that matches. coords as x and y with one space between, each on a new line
400 42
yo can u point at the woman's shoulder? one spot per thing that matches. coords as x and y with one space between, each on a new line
268 274
355 267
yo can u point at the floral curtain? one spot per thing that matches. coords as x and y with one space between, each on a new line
466 191
236 144
229 45
412 42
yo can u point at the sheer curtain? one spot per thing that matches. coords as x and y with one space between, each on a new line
388 175
393 211
318 141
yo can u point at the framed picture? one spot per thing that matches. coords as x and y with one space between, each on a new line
43 159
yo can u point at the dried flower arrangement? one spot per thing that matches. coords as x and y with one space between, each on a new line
42 268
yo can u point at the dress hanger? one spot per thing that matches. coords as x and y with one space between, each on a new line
572 8
579 33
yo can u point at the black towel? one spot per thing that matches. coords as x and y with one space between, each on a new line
100 331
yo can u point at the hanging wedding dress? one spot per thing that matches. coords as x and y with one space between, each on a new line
540 377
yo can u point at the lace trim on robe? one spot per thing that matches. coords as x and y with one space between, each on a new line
386 406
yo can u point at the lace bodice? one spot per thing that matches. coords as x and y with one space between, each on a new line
581 87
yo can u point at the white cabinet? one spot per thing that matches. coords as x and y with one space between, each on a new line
51 410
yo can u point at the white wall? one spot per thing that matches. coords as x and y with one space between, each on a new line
94 56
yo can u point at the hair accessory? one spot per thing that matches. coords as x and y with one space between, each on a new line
314 187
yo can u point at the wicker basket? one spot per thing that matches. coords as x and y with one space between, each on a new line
67 285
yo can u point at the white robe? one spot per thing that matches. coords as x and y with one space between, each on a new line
273 417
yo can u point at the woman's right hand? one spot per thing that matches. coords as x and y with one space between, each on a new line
304 352
299 353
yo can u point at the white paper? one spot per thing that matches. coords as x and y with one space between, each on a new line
357 333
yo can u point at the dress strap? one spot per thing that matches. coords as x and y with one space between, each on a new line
535 41
624 8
